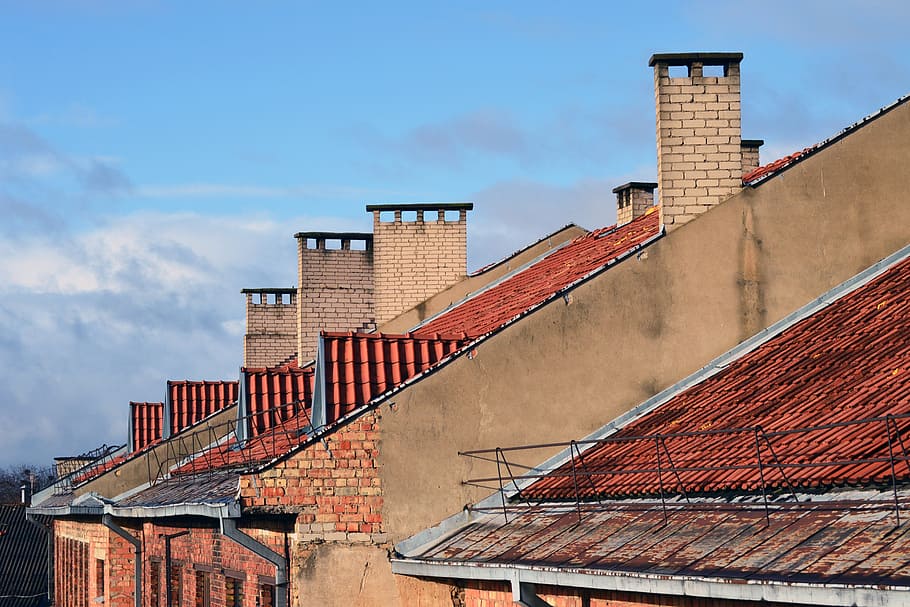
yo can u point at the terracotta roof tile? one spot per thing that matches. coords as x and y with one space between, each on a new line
276 394
536 284
146 421
191 401
819 391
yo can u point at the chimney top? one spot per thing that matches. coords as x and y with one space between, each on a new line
423 206
687 58
752 143
638 185
335 235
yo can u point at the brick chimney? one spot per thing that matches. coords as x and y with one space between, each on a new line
699 132
633 200
751 160
418 250
271 326
335 286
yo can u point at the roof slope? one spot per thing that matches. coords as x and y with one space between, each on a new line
821 393
192 401
531 286
811 543
23 559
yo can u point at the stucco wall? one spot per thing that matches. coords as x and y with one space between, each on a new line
571 367
576 363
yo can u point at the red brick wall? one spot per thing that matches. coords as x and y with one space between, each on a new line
206 549
334 489
76 547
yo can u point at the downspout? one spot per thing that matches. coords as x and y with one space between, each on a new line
524 594
108 521
167 563
280 561
319 413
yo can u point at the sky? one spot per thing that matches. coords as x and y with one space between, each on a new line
157 157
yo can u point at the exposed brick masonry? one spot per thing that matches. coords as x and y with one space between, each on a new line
334 488
699 154
271 326
417 258
751 160
335 291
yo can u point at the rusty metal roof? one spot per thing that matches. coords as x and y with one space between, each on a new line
829 541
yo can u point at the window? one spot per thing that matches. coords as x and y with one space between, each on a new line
266 596
233 592
203 589
175 585
99 578
155 583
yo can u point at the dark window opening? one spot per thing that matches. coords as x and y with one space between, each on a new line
233 592
203 589
266 597
155 583
99 578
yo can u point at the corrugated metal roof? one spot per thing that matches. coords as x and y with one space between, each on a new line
809 389
23 559
523 290
828 542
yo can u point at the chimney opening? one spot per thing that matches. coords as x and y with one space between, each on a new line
679 71
358 245
387 216
409 216
311 243
286 298
260 298
333 244
714 71
452 215
430 216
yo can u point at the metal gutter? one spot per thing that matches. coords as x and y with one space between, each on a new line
802 593
454 523
108 521
230 530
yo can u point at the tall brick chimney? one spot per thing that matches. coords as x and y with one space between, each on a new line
418 250
699 133
271 326
633 200
334 288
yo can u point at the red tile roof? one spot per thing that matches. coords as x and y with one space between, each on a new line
191 401
820 391
779 164
361 366
276 395
358 367
760 174
146 421
529 288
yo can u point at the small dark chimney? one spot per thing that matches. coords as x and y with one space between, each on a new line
633 200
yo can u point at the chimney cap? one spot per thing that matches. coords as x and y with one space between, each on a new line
752 143
335 235
422 206
266 291
638 185
687 58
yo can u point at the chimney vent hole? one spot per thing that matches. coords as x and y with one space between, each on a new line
409 216
452 215
714 71
387 216
431 215
679 71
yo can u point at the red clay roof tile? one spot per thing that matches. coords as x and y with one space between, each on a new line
191 401
821 393
146 421
534 285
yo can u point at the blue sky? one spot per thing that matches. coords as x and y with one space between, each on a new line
155 158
